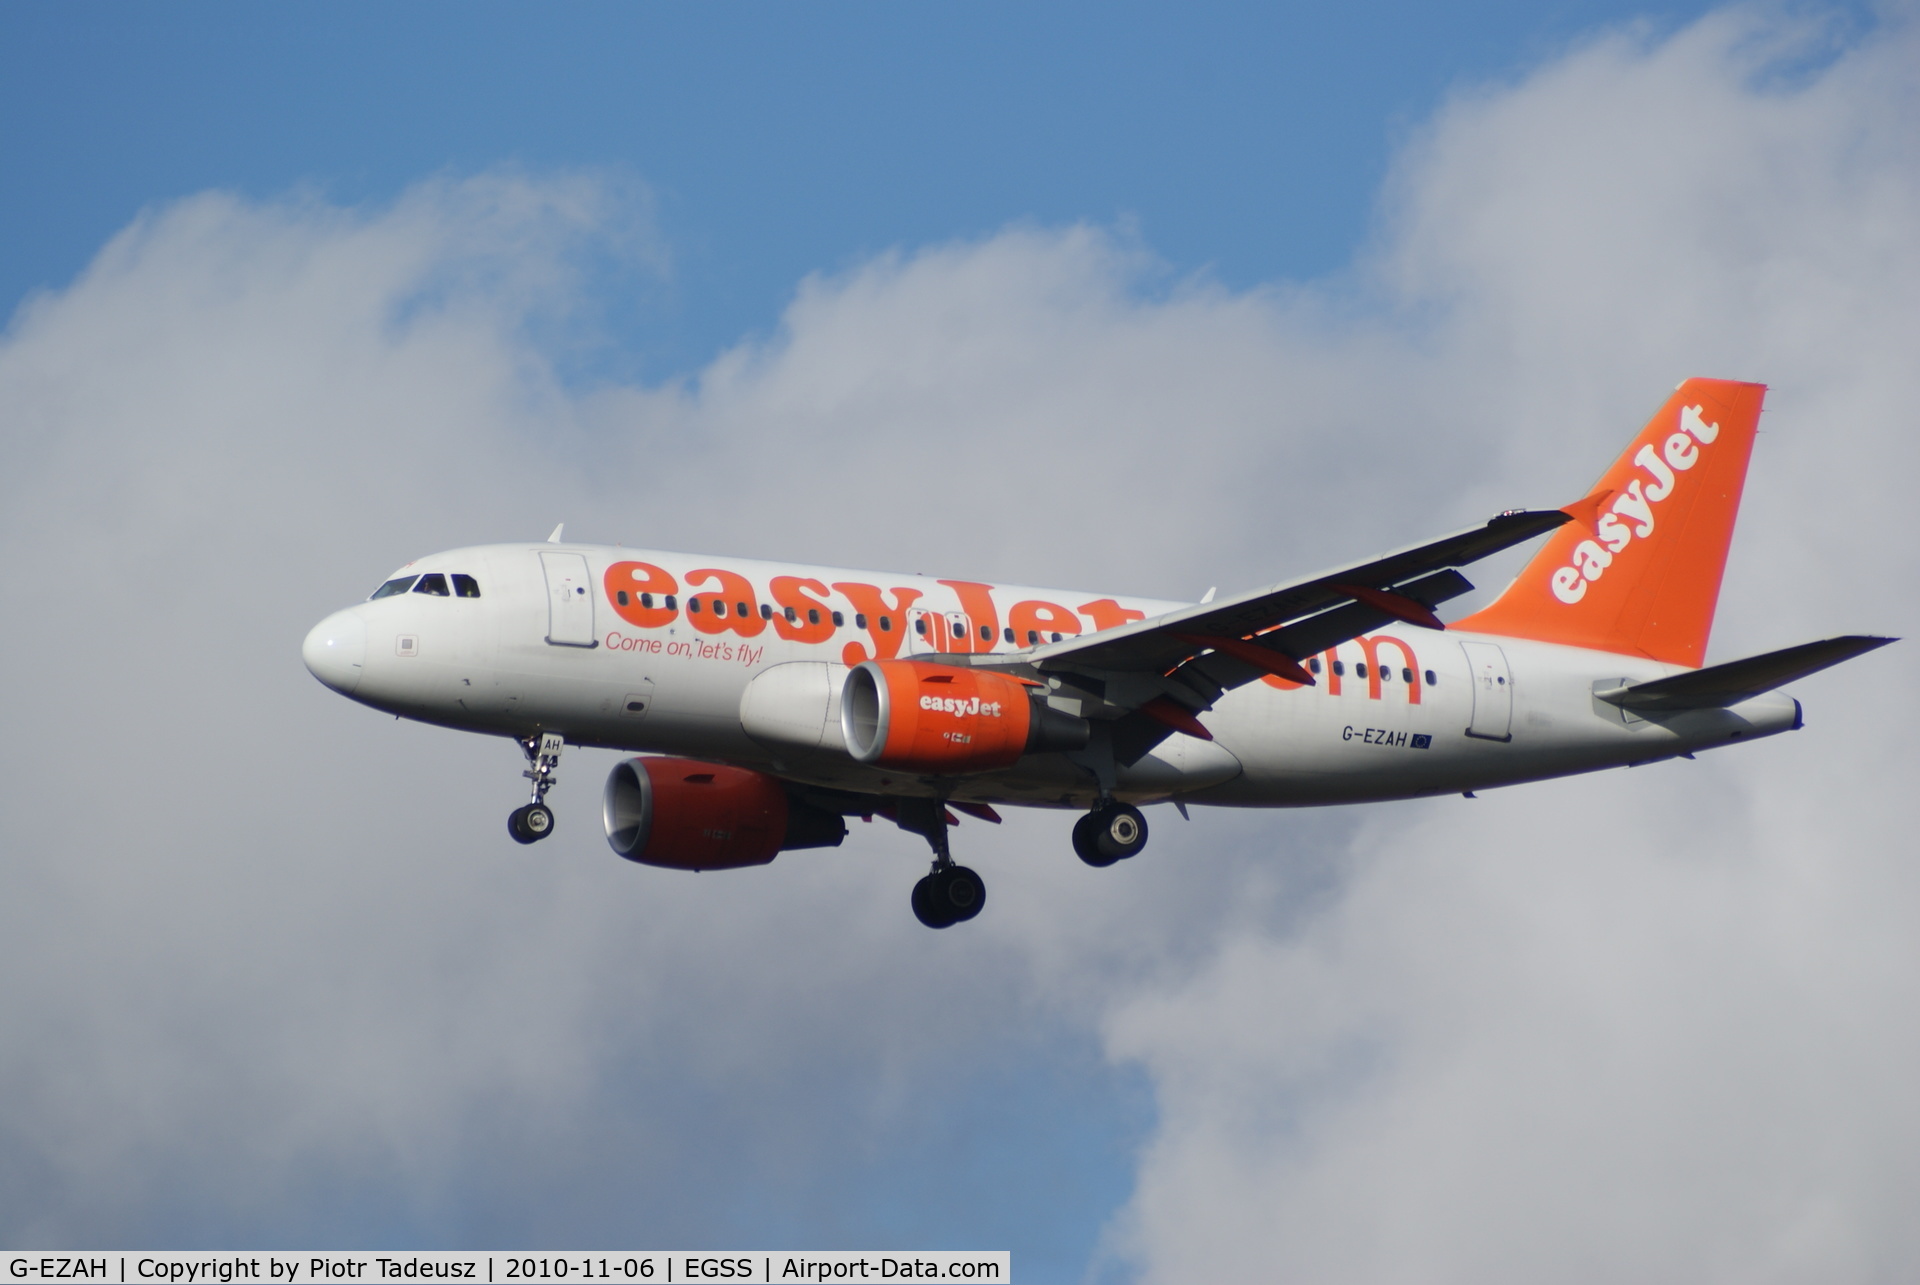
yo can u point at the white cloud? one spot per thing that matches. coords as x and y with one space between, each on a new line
1649 1025
275 973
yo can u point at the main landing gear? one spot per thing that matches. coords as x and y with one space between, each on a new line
949 894
534 821
1111 832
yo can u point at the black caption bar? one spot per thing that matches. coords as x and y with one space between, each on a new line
653 1267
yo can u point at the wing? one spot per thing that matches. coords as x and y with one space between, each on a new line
1153 676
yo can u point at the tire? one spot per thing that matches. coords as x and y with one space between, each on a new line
962 893
530 823
1119 831
1085 843
925 908
948 897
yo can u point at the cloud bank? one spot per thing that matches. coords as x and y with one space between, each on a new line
273 974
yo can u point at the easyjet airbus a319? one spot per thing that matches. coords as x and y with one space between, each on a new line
768 702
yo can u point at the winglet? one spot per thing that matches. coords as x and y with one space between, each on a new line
557 532
1586 511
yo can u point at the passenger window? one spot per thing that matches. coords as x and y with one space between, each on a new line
1406 675
766 612
1314 664
432 583
1056 637
1430 681
740 610
839 620
465 587
1033 638
646 600
670 602
986 633
1360 669
392 587
621 597
886 624
1339 668
860 620
813 615
1009 633
920 625
793 617
693 605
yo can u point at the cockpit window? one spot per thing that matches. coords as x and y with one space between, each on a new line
465 587
392 587
433 583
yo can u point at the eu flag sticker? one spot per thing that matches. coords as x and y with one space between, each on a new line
1422 741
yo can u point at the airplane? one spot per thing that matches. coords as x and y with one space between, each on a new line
768 702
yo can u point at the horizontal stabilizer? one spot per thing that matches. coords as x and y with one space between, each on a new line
1718 686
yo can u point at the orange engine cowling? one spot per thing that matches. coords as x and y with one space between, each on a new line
947 721
691 815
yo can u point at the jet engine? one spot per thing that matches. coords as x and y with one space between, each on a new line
947 721
690 815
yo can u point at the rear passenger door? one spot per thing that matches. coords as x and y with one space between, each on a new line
1492 692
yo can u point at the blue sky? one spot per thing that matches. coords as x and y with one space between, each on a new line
1247 141
1177 296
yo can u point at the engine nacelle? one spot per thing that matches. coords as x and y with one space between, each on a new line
690 815
947 721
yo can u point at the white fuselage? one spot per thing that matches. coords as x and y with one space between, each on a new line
545 647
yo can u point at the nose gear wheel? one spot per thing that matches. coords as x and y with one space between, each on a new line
531 823
534 821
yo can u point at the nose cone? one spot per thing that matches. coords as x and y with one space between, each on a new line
336 651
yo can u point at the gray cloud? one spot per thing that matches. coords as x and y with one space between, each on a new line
273 973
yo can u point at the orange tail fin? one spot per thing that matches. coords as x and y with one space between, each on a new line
1638 570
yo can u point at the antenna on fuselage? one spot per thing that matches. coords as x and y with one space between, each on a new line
555 537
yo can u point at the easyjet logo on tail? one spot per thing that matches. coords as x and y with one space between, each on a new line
1638 570
1631 515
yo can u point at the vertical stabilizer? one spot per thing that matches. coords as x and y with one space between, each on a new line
1638 570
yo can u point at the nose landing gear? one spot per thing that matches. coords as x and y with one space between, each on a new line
1111 832
534 821
949 894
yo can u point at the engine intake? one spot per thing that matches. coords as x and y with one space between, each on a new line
689 815
944 720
